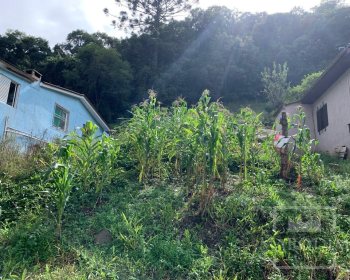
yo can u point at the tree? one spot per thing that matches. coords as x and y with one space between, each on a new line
218 49
104 77
23 50
80 38
148 16
276 85
208 53
297 92
328 6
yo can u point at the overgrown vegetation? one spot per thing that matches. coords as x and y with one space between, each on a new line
176 193
183 193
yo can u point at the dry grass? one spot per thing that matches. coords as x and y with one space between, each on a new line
16 163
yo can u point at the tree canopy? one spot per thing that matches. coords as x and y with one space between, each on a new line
275 82
148 15
218 49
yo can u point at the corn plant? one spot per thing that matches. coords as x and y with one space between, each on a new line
208 150
148 136
86 152
307 161
217 132
209 132
179 136
106 168
94 158
62 177
84 160
246 129
202 136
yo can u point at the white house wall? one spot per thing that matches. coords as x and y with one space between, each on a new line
291 110
337 98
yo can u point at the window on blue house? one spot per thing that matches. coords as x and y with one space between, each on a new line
8 91
60 118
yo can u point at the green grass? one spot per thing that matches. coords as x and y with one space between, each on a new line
156 235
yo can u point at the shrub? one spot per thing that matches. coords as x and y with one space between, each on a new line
18 163
22 198
28 243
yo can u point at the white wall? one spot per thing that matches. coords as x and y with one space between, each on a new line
337 98
291 110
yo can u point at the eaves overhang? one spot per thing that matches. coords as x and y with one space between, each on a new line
336 69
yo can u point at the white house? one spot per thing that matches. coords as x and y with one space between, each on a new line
327 106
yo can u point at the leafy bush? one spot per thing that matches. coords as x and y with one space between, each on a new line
28 243
22 198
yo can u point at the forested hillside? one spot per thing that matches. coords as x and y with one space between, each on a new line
218 49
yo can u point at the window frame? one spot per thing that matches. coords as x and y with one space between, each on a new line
16 92
15 95
66 121
322 117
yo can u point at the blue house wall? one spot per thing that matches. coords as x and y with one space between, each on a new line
34 110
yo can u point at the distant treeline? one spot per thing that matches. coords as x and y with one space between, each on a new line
217 49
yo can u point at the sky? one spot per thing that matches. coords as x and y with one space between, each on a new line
54 19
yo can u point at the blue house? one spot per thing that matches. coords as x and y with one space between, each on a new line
32 110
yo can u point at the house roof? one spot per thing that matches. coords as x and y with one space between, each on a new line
87 104
339 65
11 68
